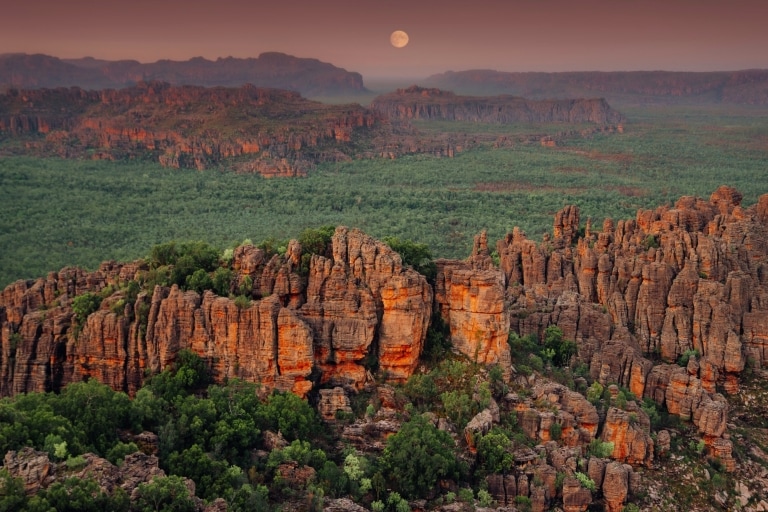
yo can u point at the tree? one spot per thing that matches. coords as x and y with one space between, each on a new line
495 452
417 456
164 494
289 414
12 495
416 255
557 349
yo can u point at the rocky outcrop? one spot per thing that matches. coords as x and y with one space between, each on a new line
470 298
281 134
646 291
745 87
434 104
272 69
360 306
37 472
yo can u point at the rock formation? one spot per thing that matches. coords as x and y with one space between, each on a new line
359 304
277 132
434 104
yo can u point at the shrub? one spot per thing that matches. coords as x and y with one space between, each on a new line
83 306
600 449
466 495
485 498
686 356
585 481
595 392
416 255
242 302
555 431
419 455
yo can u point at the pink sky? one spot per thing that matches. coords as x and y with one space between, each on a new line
508 35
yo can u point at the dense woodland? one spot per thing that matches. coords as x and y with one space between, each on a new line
62 212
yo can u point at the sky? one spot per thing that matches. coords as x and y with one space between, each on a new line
506 35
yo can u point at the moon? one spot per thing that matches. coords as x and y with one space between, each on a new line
399 39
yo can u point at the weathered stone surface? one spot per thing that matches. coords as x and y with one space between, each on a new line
37 471
629 431
575 497
615 486
331 402
471 301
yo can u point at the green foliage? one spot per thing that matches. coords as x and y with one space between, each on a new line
417 456
164 494
117 453
651 242
242 302
523 503
314 241
416 255
600 449
292 416
83 306
199 281
212 477
249 499
559 351
12 496
630 507
466 495
494 451
377 506
437 343
555 431
221 281
595 393
78 495
585 481
686 356
298 451
484 498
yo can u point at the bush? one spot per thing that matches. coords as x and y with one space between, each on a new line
559 350
555 431
416 255
585 481
599 449
686 356
242 302
417 456
83 306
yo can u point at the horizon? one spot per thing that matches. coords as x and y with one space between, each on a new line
520 36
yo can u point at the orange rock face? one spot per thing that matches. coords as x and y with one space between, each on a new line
360 303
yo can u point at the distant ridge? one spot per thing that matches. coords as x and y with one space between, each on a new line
435 104
736 87
272 69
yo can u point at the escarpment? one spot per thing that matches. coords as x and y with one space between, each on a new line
670 305
357 305
434 104
271 131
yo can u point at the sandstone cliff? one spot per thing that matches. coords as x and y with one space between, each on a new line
434 104
357 305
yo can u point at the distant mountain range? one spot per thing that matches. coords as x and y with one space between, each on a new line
278 70
737 87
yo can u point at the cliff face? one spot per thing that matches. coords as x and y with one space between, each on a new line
308 76
741 87
273 132
360 303
433 104
644 291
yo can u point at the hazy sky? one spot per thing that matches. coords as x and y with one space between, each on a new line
509 35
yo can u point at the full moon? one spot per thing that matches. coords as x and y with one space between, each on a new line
398 39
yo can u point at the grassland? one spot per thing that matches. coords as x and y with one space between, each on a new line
57 212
